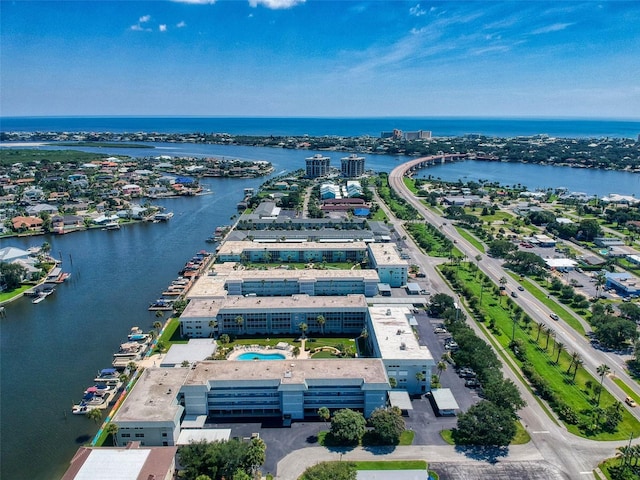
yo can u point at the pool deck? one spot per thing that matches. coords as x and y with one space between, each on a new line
240 349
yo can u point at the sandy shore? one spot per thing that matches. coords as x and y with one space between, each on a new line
21 144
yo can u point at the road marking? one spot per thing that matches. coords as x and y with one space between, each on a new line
586 473
541 431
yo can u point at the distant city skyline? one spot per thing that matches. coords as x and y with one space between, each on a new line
296 58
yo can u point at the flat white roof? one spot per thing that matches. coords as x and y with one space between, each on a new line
239 246
113 464
386 254
208 434
394 335
211 307
560 262
444 399
400 399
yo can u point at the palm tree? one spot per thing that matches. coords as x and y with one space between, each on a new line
95 414
212 325
441 367
365 333
295 351
576 365
240 322
303 328
601 280
602 371
324 414
157 324
112 429
550 333
574 357
560 349
321 321
540 327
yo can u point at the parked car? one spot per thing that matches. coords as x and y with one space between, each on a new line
472 383
440 330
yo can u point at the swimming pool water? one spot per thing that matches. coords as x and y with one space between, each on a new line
260 356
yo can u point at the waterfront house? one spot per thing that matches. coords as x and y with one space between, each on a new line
26 223
36 210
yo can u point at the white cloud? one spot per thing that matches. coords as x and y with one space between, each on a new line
162 27
181 24
556 27
275 4
144 18
417 11
138 28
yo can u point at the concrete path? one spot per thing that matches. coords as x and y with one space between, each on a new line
292 466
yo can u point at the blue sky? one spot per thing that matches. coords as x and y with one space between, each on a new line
320 58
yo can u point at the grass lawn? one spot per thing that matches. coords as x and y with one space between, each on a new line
410 183
471 239
379 216
540 351
4 296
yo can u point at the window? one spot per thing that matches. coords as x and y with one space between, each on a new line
139 435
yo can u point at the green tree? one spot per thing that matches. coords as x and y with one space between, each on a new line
112 429
255 456
387 424
484 424
602 372
504 394
240 323
95 414
303 328
347 426
11 275
439 303
331 471
324 414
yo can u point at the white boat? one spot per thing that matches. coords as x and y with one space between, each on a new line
163 217
42 295
111 226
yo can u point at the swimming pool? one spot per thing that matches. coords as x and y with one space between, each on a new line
260 356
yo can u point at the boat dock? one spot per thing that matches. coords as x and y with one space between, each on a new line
178 288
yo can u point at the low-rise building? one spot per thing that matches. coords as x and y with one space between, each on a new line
391 269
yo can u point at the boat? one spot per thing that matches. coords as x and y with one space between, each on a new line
108 376
81 409
42 295
163 216
111 226
136 333
62 278
39 298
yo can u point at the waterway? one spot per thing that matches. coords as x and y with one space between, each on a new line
50 352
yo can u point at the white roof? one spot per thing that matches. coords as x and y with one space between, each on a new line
444 399
208 434
113 464
560 262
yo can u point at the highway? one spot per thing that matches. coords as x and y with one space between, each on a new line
573 455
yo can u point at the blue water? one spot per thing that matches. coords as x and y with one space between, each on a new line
440 126
533 176
260 356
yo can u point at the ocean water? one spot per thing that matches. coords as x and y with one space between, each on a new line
439 126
